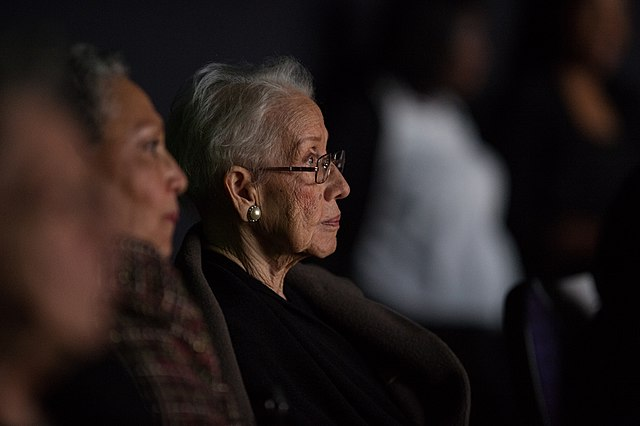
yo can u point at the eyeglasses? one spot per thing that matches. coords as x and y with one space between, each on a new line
322 169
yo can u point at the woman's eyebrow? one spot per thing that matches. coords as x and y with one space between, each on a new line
149 124
309 142
148 129
309 138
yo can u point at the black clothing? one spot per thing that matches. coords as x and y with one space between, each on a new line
559 174
315 370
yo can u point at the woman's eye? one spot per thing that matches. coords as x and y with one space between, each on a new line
151 146
311 161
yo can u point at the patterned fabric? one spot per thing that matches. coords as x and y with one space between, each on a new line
163 339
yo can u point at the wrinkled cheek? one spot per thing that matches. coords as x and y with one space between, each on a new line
309 207
303 220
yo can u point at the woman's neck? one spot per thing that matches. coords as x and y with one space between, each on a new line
268 268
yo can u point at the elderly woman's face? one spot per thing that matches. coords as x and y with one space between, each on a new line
300 216
133 154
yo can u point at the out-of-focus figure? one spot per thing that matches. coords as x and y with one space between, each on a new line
434 243
54 297
571 132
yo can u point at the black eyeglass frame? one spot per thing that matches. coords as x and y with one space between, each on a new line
337 158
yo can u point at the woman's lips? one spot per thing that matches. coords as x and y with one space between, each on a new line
335 221
172 217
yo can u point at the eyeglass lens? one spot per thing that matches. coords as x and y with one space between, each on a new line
324 168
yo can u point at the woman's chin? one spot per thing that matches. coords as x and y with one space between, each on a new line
321 252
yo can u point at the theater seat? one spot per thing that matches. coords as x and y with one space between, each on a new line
541 322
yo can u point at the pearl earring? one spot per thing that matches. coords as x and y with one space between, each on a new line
254 214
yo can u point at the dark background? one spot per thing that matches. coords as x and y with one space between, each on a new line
166 41
339 41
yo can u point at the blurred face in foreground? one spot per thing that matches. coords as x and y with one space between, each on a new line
53 235
133 156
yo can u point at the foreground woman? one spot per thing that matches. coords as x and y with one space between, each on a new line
309 348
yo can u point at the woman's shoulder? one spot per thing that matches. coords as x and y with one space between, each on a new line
402 348
317 280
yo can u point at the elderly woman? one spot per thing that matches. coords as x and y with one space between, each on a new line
162 367
301 346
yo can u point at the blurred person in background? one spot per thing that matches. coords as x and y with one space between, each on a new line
55 296
571 133
434 243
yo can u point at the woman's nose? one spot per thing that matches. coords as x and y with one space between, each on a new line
337 187
177 179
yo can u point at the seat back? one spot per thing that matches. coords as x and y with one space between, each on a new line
541 322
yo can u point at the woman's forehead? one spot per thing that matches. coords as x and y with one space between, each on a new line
313 143
306 126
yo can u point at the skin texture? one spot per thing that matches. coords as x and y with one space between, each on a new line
133 155
299 217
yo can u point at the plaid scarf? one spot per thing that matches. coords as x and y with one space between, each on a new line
163 340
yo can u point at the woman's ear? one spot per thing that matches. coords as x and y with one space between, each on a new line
242 192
